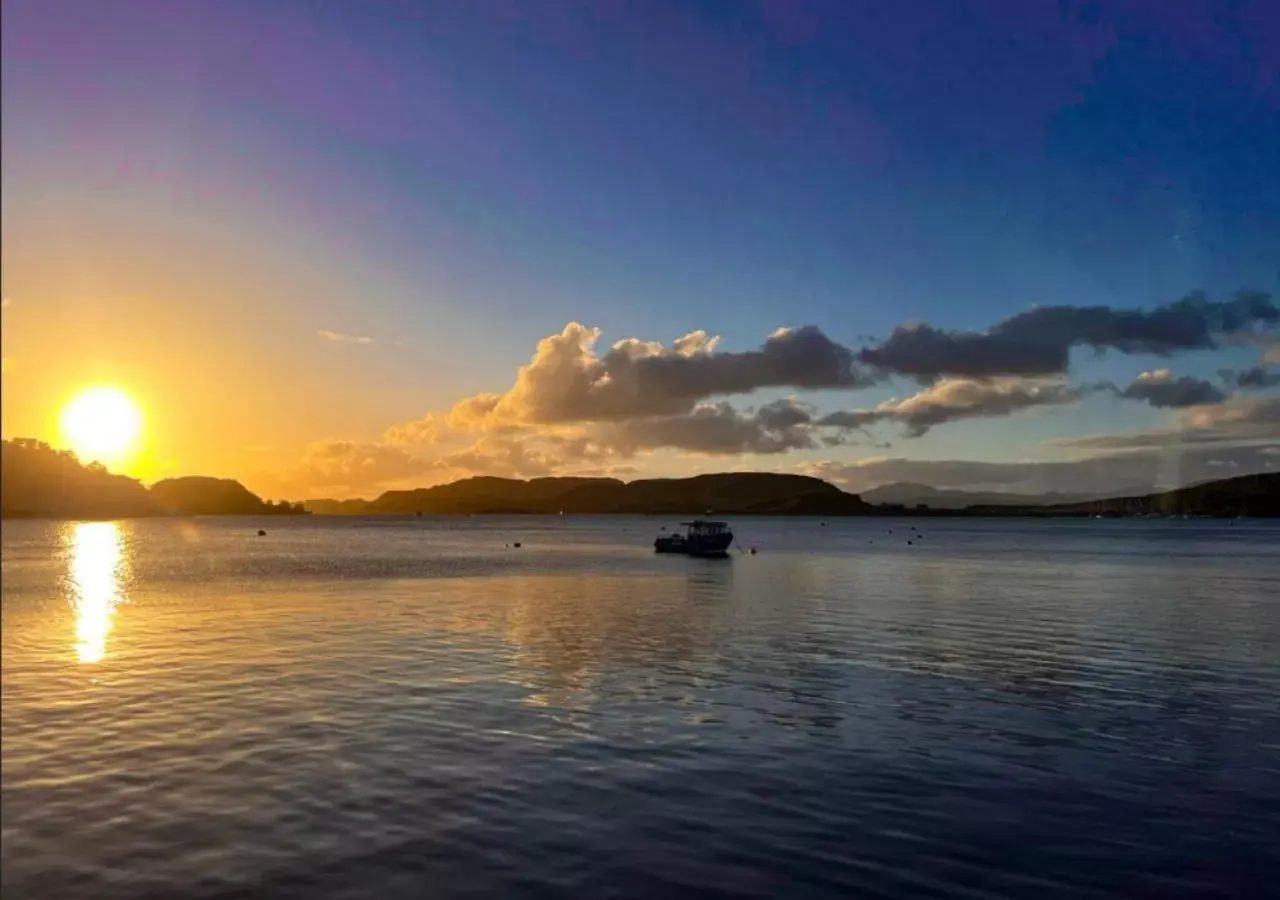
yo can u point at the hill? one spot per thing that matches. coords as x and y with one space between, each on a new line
1246 495
748 493
910 495
198 495
38 481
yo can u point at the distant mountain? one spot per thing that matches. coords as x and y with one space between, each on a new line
1246 495
39 481
911 495
747 493
759 493
198 495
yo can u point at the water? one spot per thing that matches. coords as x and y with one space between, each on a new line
413 708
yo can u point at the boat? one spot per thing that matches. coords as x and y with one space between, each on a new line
702 538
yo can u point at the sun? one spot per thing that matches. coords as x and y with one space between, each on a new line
102 424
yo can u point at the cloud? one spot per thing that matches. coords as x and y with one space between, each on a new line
715 429
1235 422
1239 434
504 457
572 407
1039 341
566 381
5 303
473 412
1271 356
357 465
1162 390
958 398
1257 377
340 468
420 431
338 337
1242 414
954 399
6 364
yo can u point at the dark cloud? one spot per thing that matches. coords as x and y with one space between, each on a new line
781 415
1257 377
1162 390
716 429
566 381
852 419
1039 341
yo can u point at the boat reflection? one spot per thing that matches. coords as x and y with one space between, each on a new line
95 570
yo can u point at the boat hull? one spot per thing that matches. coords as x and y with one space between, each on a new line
705 547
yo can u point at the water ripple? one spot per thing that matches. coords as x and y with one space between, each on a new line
355 709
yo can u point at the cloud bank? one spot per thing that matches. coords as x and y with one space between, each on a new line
573 408
567 381
1039 341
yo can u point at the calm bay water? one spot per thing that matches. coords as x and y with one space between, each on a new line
414 708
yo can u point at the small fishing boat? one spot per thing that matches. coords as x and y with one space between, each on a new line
701 538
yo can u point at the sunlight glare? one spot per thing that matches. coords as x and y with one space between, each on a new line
101 424
96 560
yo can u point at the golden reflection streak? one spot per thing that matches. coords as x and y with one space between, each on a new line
95 562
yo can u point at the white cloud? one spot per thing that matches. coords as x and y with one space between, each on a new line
338 337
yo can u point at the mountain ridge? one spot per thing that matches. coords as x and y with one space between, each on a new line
731 493
908 493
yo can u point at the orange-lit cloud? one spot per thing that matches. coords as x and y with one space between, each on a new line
338 337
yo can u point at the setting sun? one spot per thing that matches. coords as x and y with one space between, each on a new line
102 424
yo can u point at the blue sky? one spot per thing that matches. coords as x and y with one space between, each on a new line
457 180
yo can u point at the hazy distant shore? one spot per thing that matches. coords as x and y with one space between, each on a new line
40 482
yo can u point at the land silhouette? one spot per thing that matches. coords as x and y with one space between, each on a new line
39 481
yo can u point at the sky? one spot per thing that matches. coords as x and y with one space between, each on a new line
335 248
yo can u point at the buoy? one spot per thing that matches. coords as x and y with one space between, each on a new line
516 545
261 533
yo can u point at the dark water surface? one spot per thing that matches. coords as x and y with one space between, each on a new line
407 709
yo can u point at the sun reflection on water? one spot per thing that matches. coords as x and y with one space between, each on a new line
96 561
